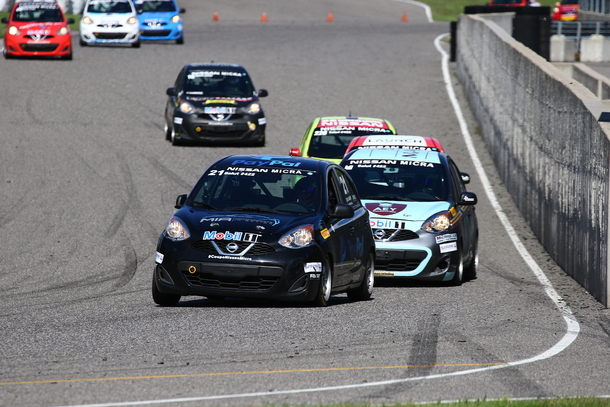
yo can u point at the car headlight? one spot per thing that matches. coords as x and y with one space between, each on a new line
254 108
63 31
12 30
87 20
186 107
177 230
175 19
132 20
437 223
297 238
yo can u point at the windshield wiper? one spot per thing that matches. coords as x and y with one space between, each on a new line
204 205
250 209
386 198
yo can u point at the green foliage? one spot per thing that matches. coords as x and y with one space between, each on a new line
448 10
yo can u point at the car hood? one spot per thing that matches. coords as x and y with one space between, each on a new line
156 16
404 210
200 101
228 223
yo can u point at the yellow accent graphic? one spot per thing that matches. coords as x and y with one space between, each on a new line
453 211
325 233
192 269
230 102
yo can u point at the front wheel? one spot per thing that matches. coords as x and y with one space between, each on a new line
365 289
470 271
458 275
163 299
326 284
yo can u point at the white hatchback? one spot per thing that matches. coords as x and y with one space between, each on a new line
109 22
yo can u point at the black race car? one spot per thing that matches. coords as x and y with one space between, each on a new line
285 228
214 103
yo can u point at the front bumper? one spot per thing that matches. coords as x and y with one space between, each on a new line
419 259
163 32
19 46
182 270
102 35
198 128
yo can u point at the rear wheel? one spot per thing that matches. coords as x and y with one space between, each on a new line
163 299
365 289
326 284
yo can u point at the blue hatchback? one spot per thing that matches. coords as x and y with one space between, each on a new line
160 20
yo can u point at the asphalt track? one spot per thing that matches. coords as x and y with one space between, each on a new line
88 183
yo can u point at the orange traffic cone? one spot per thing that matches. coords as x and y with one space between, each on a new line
329 18
264 17
404 18
215 18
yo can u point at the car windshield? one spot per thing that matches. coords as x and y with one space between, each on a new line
396 181
221 83
42 13
332 137
144 6
109 7
258 189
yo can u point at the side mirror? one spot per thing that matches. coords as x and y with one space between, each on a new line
468 198
70 21
465 177
170 92
182 11
262 93
180 201
342 211
295 152
4 20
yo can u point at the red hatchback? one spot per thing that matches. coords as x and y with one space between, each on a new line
37 28
566 10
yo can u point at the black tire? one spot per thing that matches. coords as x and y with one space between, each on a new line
67 57
260 142
470 271
168 132
173 138
365 289
180 40
163 299
136 44
458 276
325 287
82 43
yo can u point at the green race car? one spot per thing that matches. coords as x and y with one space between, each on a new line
327 138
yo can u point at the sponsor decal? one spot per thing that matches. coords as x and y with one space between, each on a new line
211 74
450 237
452 211
353 122
384 274
215 257
325 233
448 247
387 224
178 120
238 236
270 162
219 110
262 121
228 101
314 267
159 257
265 220
385 208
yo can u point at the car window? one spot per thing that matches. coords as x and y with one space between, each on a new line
331 137
42 13
457 179
345 189
394 181
265 189
218 83
155 6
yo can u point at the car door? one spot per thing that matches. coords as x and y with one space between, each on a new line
469 224
350 231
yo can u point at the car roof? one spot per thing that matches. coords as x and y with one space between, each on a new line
433 157
283 162
213 65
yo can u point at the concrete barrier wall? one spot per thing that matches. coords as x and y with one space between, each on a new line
541 129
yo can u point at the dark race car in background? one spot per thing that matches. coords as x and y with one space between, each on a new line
423 219
281 228
37 29
214 104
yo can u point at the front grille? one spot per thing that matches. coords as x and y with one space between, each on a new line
394 235
249 283
397 264
110 36
39 47
34 37
258 249
155 33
